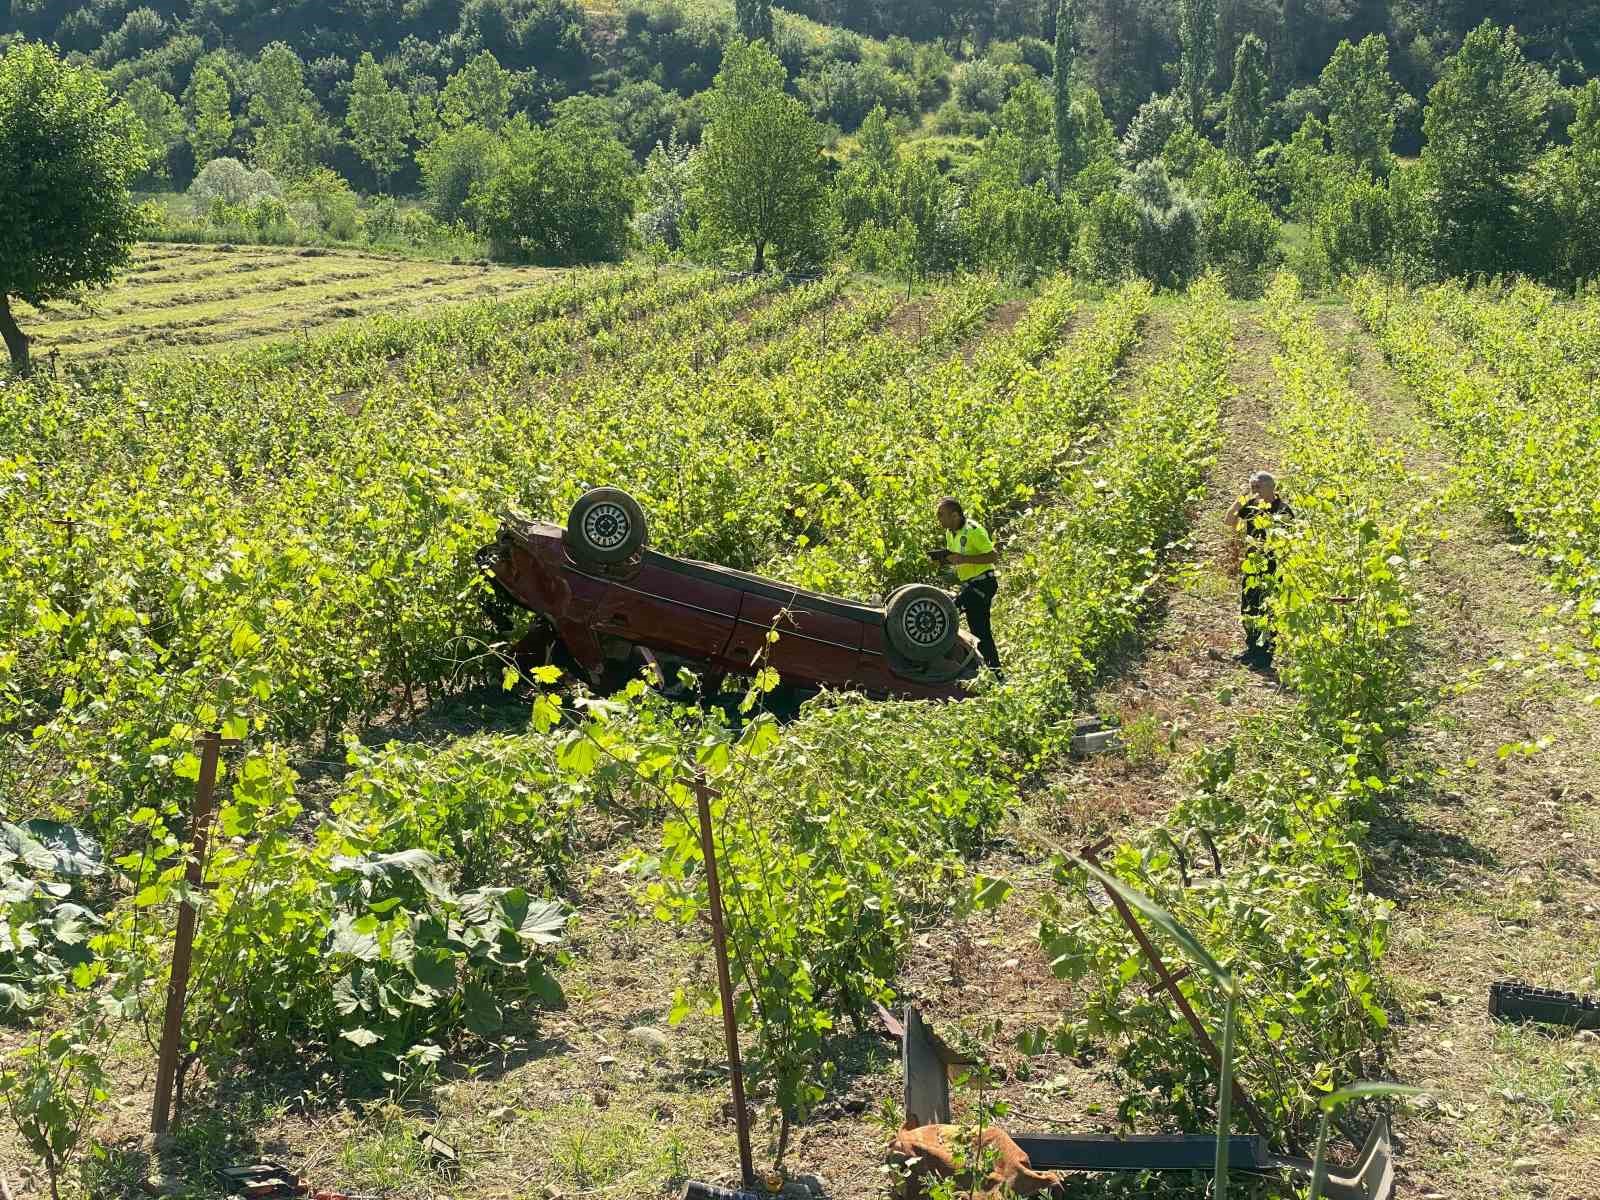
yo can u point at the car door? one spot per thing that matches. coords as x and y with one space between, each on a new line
669 611
815 645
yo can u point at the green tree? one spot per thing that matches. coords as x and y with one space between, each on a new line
478 94
379 120
664 206
68 155
425 99
1097 144
210 109
1577 187
292 135
1241 242
564 194
927 223
1152 127
1021 150
1068 156
1485 123
761 158
455 163
1247 99
1360 96
864 189
754 20
1197 33
161 120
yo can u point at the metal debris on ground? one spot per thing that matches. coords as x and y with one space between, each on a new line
926 1061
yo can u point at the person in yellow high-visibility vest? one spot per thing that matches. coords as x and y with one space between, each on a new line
970 553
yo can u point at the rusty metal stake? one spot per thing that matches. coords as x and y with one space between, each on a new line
183 941
1091 854
719 941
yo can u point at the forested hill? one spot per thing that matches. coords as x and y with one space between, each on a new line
561 47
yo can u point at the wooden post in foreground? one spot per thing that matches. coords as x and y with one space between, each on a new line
183 942
719 941
1091 854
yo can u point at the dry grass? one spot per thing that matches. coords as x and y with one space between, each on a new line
178 296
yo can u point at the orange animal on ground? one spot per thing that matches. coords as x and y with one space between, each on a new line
928 1153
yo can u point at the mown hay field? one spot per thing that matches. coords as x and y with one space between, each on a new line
179 296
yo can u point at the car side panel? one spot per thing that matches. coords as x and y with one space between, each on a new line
812 647
667 612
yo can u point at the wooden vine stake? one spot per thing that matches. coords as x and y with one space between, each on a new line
1169 981
210 746
719 941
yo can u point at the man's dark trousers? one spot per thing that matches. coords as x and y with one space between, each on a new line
976 599
1257 628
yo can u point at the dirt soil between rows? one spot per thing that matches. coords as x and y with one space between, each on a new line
1492 858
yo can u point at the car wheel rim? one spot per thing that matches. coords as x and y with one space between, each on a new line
925 622
606 526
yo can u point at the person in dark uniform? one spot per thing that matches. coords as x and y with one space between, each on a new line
1257 514
970 552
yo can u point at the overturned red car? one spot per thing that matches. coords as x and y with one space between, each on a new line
601 597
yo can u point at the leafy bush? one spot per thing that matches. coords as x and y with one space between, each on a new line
1169 250
679 51
458 161
564 195
1109 236
324 200
1202 168
1024 231
951 118
1241 242
900 53
44 933
979 87
230 181
55 1089
844 93
1354 228
1152 128
372 955
663 215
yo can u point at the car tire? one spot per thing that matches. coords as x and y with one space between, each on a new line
921 622
606 526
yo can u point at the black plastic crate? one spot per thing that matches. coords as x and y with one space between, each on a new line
1513 1001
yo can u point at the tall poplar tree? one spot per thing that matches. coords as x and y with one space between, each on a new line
210 112
1197 31
1247 99
1067 154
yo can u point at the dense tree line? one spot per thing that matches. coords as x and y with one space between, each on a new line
1129 49
702 141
